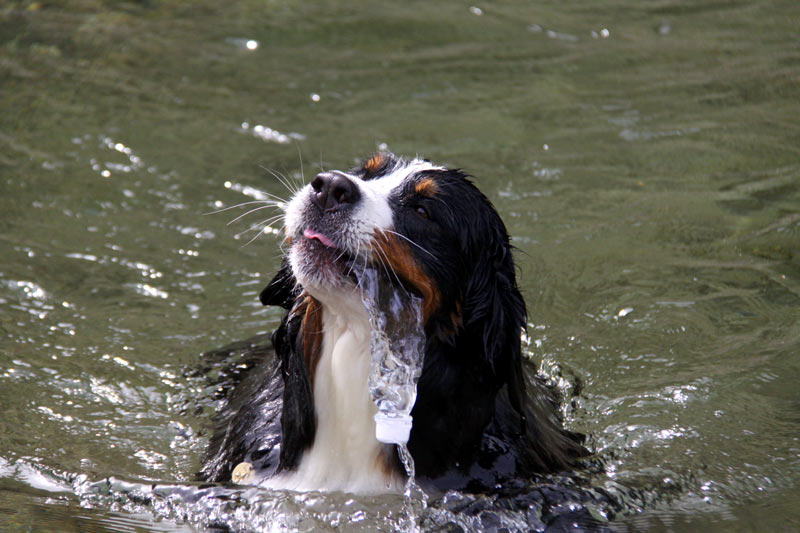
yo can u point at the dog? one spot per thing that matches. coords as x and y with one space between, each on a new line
303 419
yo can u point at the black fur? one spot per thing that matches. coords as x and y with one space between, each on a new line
477 420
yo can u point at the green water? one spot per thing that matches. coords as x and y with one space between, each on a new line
644 155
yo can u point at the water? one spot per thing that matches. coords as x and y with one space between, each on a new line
397 343
648 175
415 500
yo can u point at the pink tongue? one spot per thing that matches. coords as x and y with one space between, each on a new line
311 234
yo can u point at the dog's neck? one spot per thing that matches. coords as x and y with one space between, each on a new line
345 454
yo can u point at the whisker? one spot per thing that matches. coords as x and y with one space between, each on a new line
321 166
409 240
383 257
382 252
283 180
300 157
355 258
251 240
278 177
260 232
237 205
260 225
272 196
359 285
292 179
248 212
446 206
341 254
358 252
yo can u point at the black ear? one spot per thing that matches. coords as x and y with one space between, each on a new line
497 314
282 290
494 311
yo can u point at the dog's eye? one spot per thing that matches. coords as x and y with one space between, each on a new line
421 211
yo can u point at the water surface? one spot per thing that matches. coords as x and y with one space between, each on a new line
643 155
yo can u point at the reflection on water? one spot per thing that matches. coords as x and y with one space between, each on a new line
270 135
643 156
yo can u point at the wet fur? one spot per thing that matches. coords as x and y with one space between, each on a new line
477 420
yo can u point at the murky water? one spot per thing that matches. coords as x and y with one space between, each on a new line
643 155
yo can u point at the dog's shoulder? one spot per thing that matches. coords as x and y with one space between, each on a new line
246 428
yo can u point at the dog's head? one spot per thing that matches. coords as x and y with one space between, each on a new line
431 230
425 226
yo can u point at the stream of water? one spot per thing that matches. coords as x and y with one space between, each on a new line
397 343
398 349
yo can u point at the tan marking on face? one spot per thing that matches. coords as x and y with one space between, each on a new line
374 163
427 187
399 259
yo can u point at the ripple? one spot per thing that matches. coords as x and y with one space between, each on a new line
148 290
130 161
268 134
243 43
645 135
257 509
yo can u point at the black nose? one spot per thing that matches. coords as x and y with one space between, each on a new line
333 191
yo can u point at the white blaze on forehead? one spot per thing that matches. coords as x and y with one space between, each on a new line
375 211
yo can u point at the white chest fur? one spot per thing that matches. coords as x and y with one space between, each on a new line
345 454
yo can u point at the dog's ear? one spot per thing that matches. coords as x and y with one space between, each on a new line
282 290
494 315
497 318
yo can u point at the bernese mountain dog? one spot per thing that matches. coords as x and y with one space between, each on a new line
303 418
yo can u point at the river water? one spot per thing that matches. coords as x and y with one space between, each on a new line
644 155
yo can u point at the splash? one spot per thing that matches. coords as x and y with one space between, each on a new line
397 344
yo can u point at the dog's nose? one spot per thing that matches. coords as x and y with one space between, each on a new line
333 191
